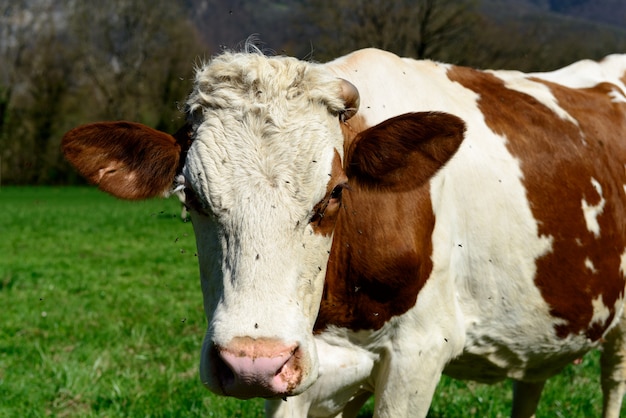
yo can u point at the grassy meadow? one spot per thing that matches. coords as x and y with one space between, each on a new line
101 316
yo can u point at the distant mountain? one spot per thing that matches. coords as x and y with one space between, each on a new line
611 12
608 11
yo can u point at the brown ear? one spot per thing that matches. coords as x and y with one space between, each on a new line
403 152
128 160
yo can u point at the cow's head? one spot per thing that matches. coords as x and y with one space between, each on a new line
261 165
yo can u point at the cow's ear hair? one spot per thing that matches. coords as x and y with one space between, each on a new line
128 160
404 152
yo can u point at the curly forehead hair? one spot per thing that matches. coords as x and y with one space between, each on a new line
247 79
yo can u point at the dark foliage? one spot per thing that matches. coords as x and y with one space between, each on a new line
68 63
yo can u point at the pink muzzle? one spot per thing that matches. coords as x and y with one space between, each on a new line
248 368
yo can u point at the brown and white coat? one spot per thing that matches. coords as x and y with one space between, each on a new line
460 221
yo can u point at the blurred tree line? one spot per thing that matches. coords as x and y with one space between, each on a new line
78 61
67 63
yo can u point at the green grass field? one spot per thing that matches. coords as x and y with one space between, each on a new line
102 316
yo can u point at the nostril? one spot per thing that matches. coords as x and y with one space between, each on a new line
291 370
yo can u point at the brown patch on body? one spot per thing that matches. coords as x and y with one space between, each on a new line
559 160
380 258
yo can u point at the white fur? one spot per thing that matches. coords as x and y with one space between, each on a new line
591 212
588 73
262 267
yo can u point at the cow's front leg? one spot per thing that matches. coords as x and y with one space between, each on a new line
415 348
341 388
410 369
295 406
403 390
300 406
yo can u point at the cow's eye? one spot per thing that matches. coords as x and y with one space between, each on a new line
336 193
330 203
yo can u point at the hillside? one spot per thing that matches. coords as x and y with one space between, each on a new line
608 12
562 30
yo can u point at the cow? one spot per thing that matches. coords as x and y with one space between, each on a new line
367 224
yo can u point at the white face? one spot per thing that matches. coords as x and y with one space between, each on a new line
261 160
